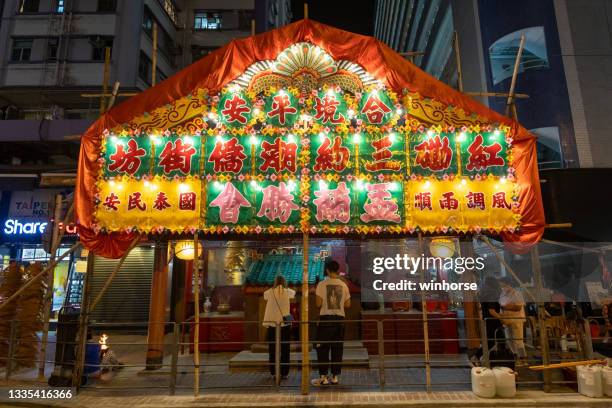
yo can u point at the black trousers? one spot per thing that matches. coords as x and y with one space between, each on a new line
330 340
284 350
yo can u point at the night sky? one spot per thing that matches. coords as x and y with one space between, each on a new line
351 15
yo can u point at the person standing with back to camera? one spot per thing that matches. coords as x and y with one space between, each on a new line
277 310
333 297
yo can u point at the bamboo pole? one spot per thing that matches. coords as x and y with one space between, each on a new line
98 95
458 61
107 61
83 320
110 278
196 307
304 314
154 56
497 94
566 364
305 10
510 106
537 271
508 267
425 324
56 238
40 275
111 100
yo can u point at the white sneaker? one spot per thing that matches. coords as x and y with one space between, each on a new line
321 381
334 380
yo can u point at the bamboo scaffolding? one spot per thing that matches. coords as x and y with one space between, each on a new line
40 275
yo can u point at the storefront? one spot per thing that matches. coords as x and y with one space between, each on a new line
25 221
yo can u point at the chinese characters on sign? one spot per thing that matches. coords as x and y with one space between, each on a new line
424 178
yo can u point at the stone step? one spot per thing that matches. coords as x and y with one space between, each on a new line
297 347
247 360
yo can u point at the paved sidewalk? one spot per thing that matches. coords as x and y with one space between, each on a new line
326 398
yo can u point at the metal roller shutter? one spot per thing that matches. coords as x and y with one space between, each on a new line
127 297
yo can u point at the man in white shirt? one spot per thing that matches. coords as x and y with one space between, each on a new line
333 297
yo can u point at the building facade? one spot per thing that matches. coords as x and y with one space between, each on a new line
565 87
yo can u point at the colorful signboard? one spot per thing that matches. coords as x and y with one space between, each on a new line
330 162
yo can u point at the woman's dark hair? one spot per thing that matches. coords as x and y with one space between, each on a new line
280 281
332 266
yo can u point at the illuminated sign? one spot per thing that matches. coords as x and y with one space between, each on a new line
17 227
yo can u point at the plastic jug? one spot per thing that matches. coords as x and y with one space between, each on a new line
505 382
590 381
606 377
483 382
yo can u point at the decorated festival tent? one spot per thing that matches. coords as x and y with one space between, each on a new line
304 129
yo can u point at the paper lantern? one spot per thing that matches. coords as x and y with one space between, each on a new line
442 247
184 250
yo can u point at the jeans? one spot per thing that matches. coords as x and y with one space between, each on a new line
285 349
330 338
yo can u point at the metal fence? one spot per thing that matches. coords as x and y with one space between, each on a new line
396 354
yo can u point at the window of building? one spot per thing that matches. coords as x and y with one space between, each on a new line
107 5
22 49
28 6
144 67
52 44
207 20
170 9
502 53
99 45
147 21
59 6
548 147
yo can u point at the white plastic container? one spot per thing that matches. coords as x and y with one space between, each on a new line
483 382
606 377
505 382
590 381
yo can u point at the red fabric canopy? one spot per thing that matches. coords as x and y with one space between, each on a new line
227 63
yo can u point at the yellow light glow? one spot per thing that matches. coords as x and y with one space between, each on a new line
442 247
183 187
184 250
427 184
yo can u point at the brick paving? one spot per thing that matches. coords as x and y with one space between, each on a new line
327 398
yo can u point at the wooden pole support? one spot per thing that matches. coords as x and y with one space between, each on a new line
305 10
196 307
304 325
